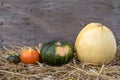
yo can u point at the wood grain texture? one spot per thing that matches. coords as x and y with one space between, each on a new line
28 22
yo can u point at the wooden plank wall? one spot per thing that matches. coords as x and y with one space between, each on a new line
28 22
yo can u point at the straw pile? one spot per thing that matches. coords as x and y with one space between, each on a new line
74 70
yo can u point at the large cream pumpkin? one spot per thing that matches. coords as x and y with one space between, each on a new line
95 44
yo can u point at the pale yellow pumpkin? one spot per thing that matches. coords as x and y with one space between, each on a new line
95 44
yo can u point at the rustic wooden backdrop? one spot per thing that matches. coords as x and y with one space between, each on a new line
28 22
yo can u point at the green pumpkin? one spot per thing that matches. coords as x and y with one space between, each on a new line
56 53
13 58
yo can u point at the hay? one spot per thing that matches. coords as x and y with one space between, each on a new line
74 70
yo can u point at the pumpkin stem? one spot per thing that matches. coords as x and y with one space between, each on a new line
99 25
13 54
30 49
57 43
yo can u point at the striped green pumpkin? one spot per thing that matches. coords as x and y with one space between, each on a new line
56 53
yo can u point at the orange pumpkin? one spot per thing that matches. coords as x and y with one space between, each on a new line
29 56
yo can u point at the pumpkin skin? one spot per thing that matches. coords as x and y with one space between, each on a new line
29 56
95 44
14 58
56 53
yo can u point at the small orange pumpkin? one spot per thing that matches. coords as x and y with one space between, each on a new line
29 56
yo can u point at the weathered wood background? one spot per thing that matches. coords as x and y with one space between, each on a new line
28 22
